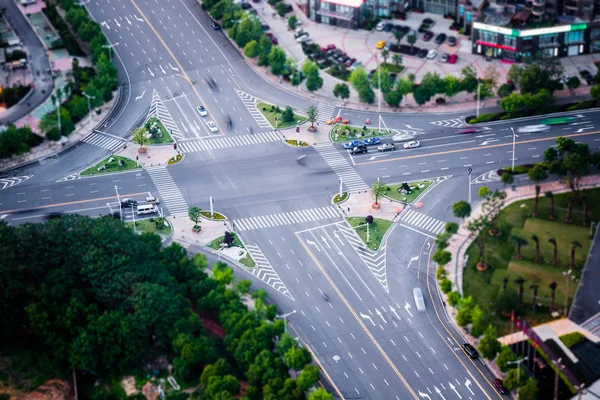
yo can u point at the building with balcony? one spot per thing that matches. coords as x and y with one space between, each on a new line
344 13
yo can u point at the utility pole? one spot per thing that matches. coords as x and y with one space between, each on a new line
133 216
211 207
558 367
513 149
56 101
469 175
89 104
284 316
478 95
518 362
341 183
379 97
119 200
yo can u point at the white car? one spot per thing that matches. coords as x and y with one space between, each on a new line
212 126
202 111
431 54
403 137
303 39
380 26
413 144
533 128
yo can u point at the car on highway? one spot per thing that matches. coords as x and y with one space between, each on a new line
422 53
452 41
440 38
152 200
452 59
372 141
533 128
500 386
431 54
359 149
403 137
212 126
427 36
470 350
125 203
328 47
557 120
386 147
413 144
202 111
470 129
380 45
215 26
352 144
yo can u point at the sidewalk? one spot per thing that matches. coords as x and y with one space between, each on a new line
155 154
361 205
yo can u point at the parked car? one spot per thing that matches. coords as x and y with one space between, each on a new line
342 59
453 59
356 65
127 203
428 21
246 6
431 54
422 53
212 127
215 26
587 76
427 36
444 57
413 144
471 129
328 47
299 32
470 350
533 128
202 111
304 39
372 141
452 41
352 144
380 26
388 27
152 200
440 38
350 62
264 27
380 44
359 149
500 386
372 73
386 147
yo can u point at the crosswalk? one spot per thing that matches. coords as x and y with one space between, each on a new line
286 218
158 110
190 146
324 112
450 123
169 192
422 222
250 103
265 272
104 140
341 167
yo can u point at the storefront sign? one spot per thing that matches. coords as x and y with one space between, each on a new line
529 32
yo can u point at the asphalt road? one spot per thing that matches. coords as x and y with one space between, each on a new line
353 309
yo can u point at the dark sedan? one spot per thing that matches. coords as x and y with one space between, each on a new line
422 53
439 39
427 36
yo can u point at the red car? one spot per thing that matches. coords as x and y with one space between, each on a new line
453 59
469 130
500 386
272 37
427 36
328 47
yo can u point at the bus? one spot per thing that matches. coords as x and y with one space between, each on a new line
419 299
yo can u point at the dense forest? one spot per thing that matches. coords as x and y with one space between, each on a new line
89 298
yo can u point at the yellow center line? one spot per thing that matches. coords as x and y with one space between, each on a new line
451 335
476 148
184 74
72 202
375 342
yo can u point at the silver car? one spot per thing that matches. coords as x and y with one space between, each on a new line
533 128
413 144
403 137
386 147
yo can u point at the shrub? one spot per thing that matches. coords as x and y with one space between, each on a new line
451 228
446 285
506 89
440 272
453 298
571 339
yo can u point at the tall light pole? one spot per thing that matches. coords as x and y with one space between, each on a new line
56 101
110 47
518 362
210 199
558 367
478 95
119 200
89 104
580 390
567 275
515 136
284 316
469 175
379 97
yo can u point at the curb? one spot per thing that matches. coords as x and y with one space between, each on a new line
333 203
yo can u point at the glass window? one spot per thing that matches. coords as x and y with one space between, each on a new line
510 41
461 10
573 37
595 40
549 39
469 16
489 37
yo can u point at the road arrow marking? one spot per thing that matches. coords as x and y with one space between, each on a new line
184 127
424 395
140 96
338 238
583 129
365 316
105 24
489 141
407 308
392 309
310 242
380 315
415 258
128 21
438 391
468 385
579 123
380 155
452 387
118 24
336 359
138 18
151 73
173 68
325 241
162 70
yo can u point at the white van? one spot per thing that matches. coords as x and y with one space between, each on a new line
146 209
419 299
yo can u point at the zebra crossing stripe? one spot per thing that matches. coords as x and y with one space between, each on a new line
190 146
423 221
341 167
324 112
105 142
160 111
286 218
169 192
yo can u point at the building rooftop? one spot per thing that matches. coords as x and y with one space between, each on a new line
521 19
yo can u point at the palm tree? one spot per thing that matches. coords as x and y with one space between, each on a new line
574 246
550 196
536 239
568 218
586 209
519 241
537 199
552 287
504 282
520 281
398 35
535 294
385 54
555 258
397 59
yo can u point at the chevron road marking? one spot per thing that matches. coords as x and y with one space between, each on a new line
6 183
250 103
71 177
450 123
488 177
265 272
159 111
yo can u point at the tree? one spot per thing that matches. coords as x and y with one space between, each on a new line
489 345
595 92
393 98
139 137
519 241
507 178
491 75
469 80
451 85
313 80
399 35
422 95
383 79
369 219
359 79
251 49
288 114
506 300
366 95
292 21
49 124
484 191
574 246
453 298
341 90
228 238
404 86
477 227
222 273
465 306
535 288
16 140
297 357
550 196
264 50
378 189
277 60
504 358
312 113
568 218
573 82
308 377
451 228
78 107
397 60
442 257
281 9
385 53
510 380
529 391
536 239
552 287
194 213
461 209
477 322
520 281
320 394
446 285
555 257
411 39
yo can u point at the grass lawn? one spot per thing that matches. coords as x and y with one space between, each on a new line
376 230
338 199
394 194
148 225
128 164
271 113
500 251
295 143
215 215
247 260
165 137
392 68
353 132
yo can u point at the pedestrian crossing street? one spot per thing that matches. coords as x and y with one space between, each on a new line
104 140
158 110
341 167
169 192
250 103
423 222
286 218
265 272
324 112
190 146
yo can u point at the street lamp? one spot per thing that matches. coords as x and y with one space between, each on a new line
518 362
110 47
580 390
558 367
89 104
515 136
298 69
284 316
478 95
469 175
119 200
56 101
567 275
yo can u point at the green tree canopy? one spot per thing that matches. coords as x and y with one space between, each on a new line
489 345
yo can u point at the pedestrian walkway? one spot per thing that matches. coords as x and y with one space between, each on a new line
159 111
6 183
250 103
325 112
194 145
341 167
104 140
265 272
422 222
169 192
286 218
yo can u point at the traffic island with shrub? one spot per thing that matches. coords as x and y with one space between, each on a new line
233 247
407 192
342 133
158 225
337 199
278 118
376 227
110 165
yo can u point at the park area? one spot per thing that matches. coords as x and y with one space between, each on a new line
546 274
